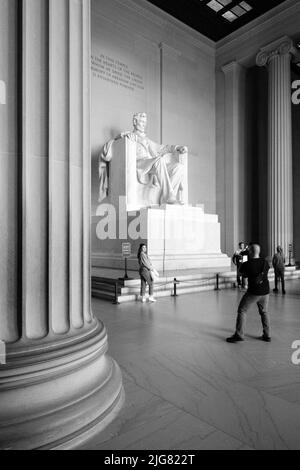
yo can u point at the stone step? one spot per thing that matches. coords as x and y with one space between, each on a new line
201 276
170 285
105 288
197 282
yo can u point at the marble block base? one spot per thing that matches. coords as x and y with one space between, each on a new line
184 237
178 237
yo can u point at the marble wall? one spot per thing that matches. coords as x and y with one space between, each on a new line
142 59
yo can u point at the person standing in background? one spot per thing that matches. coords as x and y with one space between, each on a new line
278 263
147 272
239 257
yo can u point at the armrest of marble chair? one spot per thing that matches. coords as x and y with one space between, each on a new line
122 174
131 179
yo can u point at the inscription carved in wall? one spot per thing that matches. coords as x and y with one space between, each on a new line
116 72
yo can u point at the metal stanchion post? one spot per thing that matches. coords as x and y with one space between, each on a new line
290 255
175 287
217 282
115 301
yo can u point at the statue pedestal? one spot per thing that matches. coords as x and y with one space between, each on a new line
184 237
178 237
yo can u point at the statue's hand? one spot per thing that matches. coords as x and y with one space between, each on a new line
182 149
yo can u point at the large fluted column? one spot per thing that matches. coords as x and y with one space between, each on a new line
277 56
234 155
59 387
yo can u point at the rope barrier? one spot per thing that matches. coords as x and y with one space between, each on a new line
217 278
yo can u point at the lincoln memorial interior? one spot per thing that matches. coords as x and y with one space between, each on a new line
84 363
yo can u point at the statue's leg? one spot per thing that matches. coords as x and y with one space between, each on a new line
161 171
176 175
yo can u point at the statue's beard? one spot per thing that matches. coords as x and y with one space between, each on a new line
141 132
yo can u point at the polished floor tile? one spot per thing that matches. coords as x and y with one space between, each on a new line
187 388
149 422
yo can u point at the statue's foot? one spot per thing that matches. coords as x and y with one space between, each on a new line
172 200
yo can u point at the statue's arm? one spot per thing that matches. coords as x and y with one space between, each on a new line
127 135
105 154
157 150
165 149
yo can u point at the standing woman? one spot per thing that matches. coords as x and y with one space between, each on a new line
146 273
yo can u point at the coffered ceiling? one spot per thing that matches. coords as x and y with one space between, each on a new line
216 19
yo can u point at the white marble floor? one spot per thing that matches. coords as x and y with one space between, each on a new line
186 388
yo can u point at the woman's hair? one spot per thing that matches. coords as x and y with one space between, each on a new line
140 250
279 249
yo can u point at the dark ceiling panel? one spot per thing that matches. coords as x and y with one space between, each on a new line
199 16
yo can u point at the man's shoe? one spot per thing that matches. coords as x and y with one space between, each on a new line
152 299
283 292
265 338
275 290
234 339
143 299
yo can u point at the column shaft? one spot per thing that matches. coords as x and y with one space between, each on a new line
35 169
56 167
280 154
234 155
76 165
58 387
280 189
9 174
59 200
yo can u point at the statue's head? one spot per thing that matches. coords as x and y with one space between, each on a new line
140 122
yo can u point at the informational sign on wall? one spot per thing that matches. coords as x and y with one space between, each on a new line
116 72
126 250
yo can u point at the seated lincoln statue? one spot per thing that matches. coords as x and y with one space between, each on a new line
152 167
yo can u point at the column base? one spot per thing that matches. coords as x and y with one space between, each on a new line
60 393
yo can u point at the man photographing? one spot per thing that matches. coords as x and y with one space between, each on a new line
256 270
